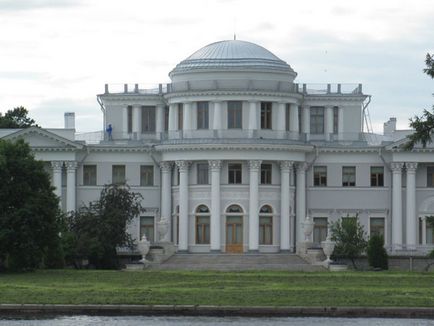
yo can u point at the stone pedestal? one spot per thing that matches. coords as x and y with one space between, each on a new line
161 251
302 247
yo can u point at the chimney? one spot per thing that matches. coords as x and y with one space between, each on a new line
69 120
389 127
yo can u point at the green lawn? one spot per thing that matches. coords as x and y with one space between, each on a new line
219 288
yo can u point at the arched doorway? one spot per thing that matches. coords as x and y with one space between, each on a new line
234 229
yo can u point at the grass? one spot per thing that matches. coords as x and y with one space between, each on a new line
257 288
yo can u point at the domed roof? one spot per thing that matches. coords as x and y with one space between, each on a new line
232 54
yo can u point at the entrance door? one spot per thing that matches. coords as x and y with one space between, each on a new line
234 234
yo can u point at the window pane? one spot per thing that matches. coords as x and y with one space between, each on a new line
320 176
316 120
148 119
118 174
146 175
202 174
287 116
430 176
166 118
319 229
377 176
266 115
234 173
147 227
235 115
335 120
130 119
266 173
348 176
376 226
202 115
180 116
89 175
234 209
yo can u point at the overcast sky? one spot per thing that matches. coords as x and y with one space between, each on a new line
56 55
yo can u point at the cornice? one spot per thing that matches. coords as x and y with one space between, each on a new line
141 148
259 93
370 149
54 149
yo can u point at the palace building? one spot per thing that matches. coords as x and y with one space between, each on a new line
235 154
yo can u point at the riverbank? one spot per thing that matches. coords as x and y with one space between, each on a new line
228 289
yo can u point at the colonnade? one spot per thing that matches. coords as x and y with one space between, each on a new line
71 168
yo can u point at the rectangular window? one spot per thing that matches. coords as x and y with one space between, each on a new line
146 175
265 230
377 176
147 227
376 226
118 174
287 116
266 170
430 176
130 119
319 229
316 120
148 119
235 115
348 176
300 118
234 173
180 116
266 115
202 115
335 120
202 230
89 175
166 118
202 174
320 176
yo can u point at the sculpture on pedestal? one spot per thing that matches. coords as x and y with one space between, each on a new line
328 246
143 246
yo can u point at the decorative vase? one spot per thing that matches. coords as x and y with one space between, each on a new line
143 246
163 229
328 246
307 228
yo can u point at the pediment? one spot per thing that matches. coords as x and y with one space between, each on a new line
398 146
41 138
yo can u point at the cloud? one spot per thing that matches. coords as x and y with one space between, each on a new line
21 5
23 75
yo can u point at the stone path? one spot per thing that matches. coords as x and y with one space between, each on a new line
237 262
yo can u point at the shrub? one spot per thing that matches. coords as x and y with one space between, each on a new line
377 255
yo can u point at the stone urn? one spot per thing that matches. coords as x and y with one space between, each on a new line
328 246
143 246
163 229
307 228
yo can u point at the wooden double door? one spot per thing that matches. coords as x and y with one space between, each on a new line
234 234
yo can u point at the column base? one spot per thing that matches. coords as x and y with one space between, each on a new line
285 251
183 251
255 251
215 251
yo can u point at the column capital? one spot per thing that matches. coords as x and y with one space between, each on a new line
215 164
396 167
255 164
286 165
71 165
183 165
166 166
56 165
411 166
301 166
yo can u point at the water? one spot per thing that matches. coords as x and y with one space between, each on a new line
213 321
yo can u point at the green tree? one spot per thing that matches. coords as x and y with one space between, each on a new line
16 118
29 210
423 125
350 238
377 255
96 230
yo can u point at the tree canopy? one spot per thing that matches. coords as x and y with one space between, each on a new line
28 209
16 118
423 125
96 230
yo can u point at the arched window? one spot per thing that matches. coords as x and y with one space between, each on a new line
266 225
234 209
202 225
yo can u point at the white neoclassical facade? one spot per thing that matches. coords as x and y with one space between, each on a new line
236 155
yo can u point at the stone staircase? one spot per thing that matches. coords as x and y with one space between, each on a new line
237 262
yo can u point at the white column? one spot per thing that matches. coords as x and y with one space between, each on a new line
137 120
173 117
396 205
253 117
306 121
187 117
254 167
293 118
71 167
300 193
215 166
328 125
340 123
166 192
411 205
183 205
125 122
217 118
281 117
285 228
424 230
159 119
57 179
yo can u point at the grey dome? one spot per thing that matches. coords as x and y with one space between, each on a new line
232 54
